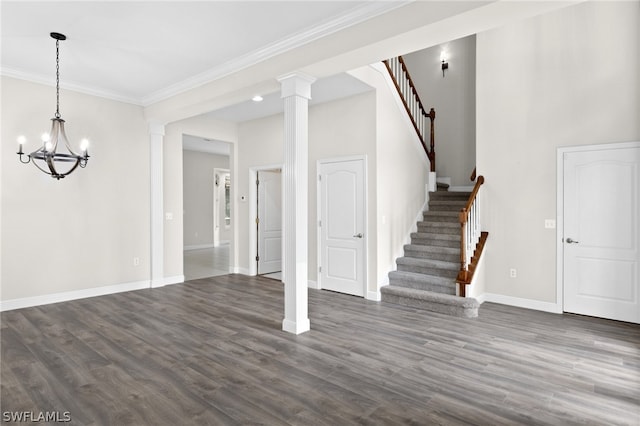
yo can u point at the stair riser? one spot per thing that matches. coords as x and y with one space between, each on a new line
449 196
417 254
427 217
453 207
430 306
419 241
435 229
428 271
443 289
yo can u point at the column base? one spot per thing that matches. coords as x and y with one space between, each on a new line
296 327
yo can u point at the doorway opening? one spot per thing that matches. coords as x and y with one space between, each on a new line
266 214
207 188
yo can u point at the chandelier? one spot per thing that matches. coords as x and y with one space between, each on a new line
55 157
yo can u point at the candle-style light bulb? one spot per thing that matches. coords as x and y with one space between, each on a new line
84 144
21 141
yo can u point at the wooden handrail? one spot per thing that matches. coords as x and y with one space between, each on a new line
472 199
470 238
473 175
413 87
418 126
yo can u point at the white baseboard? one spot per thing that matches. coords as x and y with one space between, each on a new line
238 270
27 302
376 296
313 284
199 247
296 328
178 279
536 305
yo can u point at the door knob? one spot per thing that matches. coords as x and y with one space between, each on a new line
359 235
572 241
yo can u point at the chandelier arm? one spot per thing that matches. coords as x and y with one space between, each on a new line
35 163
75 166
65 139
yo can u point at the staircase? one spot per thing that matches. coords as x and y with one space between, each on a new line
426 275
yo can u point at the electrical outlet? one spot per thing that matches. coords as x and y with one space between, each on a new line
513 273
136 261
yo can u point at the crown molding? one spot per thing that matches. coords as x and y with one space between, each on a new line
355 16
48 81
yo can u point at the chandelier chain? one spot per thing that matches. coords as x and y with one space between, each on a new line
57 79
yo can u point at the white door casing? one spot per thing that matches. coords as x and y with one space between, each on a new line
601 232
269 221
219 176
342 226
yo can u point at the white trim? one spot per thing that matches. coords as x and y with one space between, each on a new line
357 15
26 302
156 188
296 327
348 158
198 247
536 305
481 298
313 284
375 296
48 81
560 204
217 191
242 271
360 14
177 279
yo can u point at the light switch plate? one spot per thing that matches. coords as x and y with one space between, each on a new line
550 223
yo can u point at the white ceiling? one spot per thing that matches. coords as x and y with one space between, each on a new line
143 52
186 58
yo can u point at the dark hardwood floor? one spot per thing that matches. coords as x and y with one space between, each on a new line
212 351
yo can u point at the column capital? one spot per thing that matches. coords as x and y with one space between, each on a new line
156 128
296 84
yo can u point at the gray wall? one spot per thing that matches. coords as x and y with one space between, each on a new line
454 99
569 77
198 191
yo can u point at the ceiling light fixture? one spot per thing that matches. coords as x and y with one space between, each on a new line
48 159
257 98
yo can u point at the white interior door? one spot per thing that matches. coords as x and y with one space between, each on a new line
269 221
342 226
602 233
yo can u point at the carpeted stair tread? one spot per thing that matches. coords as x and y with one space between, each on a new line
425 282
450 254
426 274
466 307
449 205
428 266
448 195
452 228
438 264
441 216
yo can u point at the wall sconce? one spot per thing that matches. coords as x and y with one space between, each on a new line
445 64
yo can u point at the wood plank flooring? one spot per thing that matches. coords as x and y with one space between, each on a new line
212 352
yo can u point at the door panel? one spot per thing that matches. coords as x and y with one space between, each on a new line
270 222
601 233
342 227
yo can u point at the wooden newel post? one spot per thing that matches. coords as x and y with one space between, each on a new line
462 275
432 141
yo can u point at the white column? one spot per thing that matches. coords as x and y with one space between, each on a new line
156 134
296 92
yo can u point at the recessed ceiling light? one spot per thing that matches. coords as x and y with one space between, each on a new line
257 98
